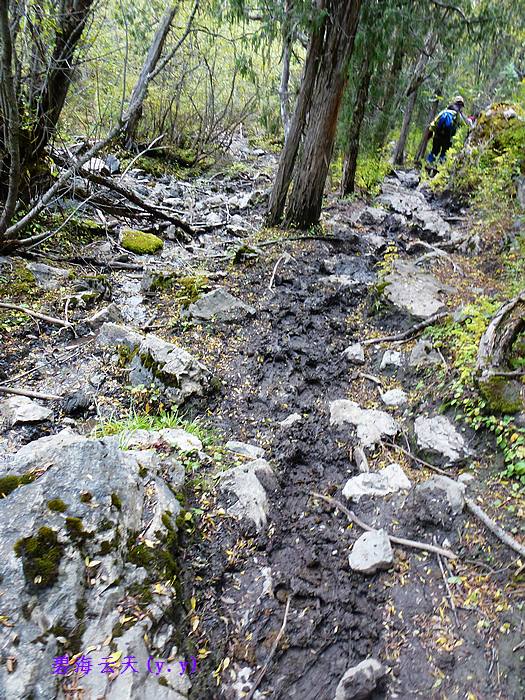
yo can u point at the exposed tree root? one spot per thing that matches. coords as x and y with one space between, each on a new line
496 530
408 335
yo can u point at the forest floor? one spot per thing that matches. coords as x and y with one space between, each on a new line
442 628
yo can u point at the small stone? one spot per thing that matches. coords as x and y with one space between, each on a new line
21 409
437 501
181 440
438 436
423 355
110 313
394 397
244 482
466 478
391 358
371 552
220 305
292 419
244 449
76 403
355 354
360 681
371 425
387 480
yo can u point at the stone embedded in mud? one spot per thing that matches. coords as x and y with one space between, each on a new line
245 483
176 438
437 501
140 242
417 293
47 277
438 437
355 354
20 409
371 425
390 359
423 354
115 335
388 480
110 313
371 552
220 305
360 681
394 397
244 449
292 419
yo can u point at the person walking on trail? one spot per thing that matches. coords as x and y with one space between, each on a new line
444 127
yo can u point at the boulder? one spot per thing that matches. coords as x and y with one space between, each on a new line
417 293
21 409
220 305
437 501
140 242
355 354
371 552
244 449
249 500
371 425
437 436
388 480
73 558
47 277
394 397
360 681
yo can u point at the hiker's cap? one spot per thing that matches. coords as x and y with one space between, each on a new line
459 100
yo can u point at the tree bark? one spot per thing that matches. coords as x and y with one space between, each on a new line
383 124
352 150
434 106
304 207
283 177
284 92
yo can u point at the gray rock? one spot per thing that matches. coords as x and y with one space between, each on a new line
175 438
47 277
394 397
371 425
92 576
520 191
220 305
20 409
109 314
113 335
438 437
292 419
77 402
417 293
355 354
371 552
244 482
113 164
372 216
360 681
390 359
388 480
423 354
437 501
244 449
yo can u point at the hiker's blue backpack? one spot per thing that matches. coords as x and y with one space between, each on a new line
446 121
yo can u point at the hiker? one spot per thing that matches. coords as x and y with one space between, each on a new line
444 127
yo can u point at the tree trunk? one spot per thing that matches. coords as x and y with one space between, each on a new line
352 150
383 124
422 148
136 103
284 94
415 83
304 207
283 177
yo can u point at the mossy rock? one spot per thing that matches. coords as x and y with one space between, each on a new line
41 556
503 395
140 242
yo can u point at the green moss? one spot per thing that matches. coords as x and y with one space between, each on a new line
76 530
502 395
141 555
140 242
12 481
190 288
142 592
86 497
80 609
17 282
41 556
116 501
105 525
57 505
106 546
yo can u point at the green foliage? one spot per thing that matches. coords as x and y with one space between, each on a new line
371 171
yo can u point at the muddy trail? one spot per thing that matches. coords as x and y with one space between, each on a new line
266 596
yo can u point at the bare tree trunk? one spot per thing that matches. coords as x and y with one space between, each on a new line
352 150
284 93
304 207
283 177
383 123
417 79
134 111
434 106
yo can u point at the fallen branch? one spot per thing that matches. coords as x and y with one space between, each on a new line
284 258
495 528
447 587
416 459
36 314
396 540
28 392
275 644
408 335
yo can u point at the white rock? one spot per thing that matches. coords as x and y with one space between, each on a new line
360 681
394 397
21 409
244 449
391 358
415 292
176 438
355 354
292 419
371 552
110 313
439 436
387 480
371 424
243 482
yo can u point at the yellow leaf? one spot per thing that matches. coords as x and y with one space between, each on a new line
193 603
114 658
194 623
225 663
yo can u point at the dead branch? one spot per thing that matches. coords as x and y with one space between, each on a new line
497 340
495 528
411 333
283 259
447 587
275 644
416 459
36 314
28 392
396 540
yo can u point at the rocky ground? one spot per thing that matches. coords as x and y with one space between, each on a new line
220 540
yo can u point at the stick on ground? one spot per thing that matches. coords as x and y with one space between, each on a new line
19 391
495 528
408 335
36 314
